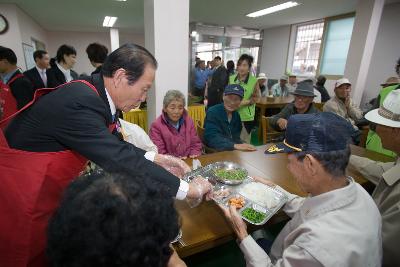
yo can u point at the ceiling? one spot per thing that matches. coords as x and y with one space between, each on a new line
83 15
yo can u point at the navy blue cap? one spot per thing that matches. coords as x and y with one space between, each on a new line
234 89
319 132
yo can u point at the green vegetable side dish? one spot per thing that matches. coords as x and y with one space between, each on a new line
230 174
253 215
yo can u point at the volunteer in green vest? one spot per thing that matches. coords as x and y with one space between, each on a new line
247 108
374 142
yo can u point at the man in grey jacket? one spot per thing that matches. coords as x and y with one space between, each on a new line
338 224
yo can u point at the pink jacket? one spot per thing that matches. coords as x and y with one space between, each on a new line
169 141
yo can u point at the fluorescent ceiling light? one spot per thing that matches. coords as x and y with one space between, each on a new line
109 21
272 9
120 0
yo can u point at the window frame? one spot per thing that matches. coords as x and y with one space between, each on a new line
292 43
322 50
293 38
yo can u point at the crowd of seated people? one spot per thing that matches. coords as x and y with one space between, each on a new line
338 211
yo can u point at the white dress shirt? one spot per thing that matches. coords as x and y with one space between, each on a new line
338 228
43 75
150 155
67 73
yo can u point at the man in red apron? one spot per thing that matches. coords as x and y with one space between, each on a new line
15 90
50 140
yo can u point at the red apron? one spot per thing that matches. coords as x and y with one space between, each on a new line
31 185
9 102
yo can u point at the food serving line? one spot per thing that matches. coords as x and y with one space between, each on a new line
204 227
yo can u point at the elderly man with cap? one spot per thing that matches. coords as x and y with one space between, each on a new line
292 83
223 125
281 88
373 141
338 223
387 175
303 104
261 79
342 104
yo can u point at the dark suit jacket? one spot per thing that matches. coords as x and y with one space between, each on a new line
57 77
75 117
34 76
22 90
216 89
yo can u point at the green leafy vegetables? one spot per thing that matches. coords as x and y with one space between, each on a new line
230 174
253 215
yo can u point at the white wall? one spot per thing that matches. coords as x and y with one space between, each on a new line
30 29
12 38
131 38
23 28
170 48
275 51
386 51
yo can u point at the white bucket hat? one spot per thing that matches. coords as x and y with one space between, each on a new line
261 76
389 113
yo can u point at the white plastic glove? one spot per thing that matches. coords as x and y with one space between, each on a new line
172 164
198 187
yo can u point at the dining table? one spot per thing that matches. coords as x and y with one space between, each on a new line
204 226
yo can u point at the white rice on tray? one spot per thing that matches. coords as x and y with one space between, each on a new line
260 193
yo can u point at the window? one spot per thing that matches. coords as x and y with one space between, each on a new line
306 49
336 46
320 47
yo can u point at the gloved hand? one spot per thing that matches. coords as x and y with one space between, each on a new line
172 164
198 187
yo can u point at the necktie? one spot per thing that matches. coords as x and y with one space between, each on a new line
44 77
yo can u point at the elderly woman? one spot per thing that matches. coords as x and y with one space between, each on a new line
173 131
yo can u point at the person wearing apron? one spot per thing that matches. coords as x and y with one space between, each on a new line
48 142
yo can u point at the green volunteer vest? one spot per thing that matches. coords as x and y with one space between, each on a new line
247 112
373 141
385 91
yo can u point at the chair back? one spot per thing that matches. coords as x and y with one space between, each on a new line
268 133
137 116
200 133
319 106
197 113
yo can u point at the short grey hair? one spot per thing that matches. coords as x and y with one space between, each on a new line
333 162
172 95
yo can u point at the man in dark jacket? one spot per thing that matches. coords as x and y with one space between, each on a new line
74 117
320 86
223 125
302 104
21 88
38 75
97 54
219 80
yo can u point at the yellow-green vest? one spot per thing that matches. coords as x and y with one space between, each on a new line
246 112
